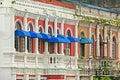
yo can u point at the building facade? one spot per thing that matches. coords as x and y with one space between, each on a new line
38 40
56 40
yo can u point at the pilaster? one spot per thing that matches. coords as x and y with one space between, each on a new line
46 31
55 32
62 33
98 42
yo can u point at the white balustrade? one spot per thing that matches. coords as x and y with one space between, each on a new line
31 60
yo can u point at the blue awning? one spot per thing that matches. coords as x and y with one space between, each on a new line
35 35
22 33
73 39
86 41
58 39
45 36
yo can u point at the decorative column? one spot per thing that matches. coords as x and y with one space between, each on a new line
26 77
76 44
55 32
76 35
98 42
25 27
37 30
111 43
105 45
62 33
90 45
46 31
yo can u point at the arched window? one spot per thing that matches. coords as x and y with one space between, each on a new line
113 47
92 46
82 46
50 45
68 34
101 47
40 42
30 40
19 40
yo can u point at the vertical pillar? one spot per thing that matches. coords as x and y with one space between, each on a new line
55 32
46 31
13 76
62 33
38 77
76 35
90 35
111 43
105 45
98 42
37 29
25 25
26 77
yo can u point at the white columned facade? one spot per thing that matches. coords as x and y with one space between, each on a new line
46 31
37 30
62 33
25 25
90 35
98 41
55 34
111 43
105 45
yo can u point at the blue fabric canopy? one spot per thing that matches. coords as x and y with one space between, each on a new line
58 39
86 41
22 33
45 36
73 39
35 35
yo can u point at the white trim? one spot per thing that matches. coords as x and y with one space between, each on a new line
40 26
20 21
50 26
33 26
70 31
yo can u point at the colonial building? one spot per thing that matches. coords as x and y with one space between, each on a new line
38 40
57 40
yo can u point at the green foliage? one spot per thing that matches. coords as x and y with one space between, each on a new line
13 1
82 36
95 78
105 78
79 67
81 57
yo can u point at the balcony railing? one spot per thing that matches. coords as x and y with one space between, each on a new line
98 67
16 59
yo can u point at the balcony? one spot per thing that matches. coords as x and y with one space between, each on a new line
98 67
30 60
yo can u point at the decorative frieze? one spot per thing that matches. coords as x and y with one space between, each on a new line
44 9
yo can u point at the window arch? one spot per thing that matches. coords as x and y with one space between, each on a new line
92 46
82 35
19 40
82 46
113 47
30 41
50 45
40 41
101 46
